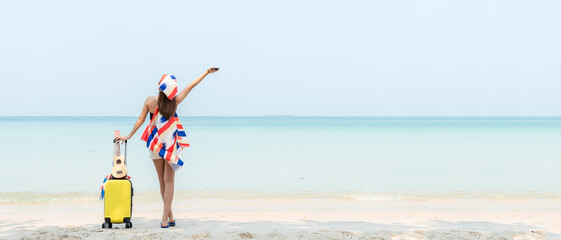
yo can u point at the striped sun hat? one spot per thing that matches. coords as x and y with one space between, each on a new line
168 85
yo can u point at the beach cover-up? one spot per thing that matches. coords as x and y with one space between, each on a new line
166 138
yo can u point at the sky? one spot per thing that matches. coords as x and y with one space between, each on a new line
304 58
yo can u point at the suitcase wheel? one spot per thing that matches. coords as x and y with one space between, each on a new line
106 225
128 225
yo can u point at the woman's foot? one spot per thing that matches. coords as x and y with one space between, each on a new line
170 217
171 222
164 226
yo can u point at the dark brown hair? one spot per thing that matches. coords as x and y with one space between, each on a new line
166 107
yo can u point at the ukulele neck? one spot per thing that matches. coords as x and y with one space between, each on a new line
117 149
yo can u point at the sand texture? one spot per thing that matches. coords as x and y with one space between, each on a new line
293 219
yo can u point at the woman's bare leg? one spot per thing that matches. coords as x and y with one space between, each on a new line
169 178
160 165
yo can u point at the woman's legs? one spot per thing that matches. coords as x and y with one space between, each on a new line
164 171
169 177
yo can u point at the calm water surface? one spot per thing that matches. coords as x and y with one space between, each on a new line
434 155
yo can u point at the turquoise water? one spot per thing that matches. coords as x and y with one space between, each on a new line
284 155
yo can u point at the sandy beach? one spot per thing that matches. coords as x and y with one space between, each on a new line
293 219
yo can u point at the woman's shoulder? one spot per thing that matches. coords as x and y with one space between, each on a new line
151 100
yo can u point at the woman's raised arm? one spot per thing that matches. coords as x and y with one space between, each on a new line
183 94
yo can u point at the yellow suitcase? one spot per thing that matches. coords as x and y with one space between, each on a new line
118 202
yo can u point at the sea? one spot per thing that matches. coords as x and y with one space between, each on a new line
54 158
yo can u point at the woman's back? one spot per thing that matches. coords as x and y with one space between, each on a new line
152 103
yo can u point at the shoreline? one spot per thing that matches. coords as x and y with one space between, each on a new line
295 218
154 196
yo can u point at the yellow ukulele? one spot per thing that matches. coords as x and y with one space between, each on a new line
119 169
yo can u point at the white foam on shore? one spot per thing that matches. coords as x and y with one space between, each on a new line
153 196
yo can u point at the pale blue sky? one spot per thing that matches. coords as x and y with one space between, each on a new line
103 58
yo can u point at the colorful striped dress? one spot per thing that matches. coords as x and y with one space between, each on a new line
166 138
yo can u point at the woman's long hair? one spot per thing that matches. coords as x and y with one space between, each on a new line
166 107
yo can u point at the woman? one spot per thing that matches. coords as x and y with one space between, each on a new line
165 146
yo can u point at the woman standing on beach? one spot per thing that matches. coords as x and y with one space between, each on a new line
164 135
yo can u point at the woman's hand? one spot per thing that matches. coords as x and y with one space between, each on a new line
122 138
183 94
212 69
